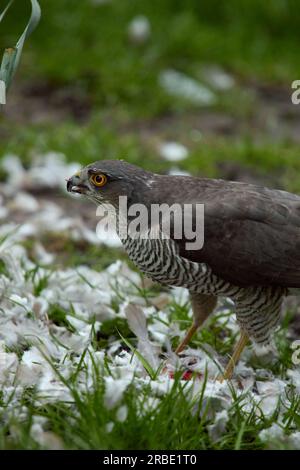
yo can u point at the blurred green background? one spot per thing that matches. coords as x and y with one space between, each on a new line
94 82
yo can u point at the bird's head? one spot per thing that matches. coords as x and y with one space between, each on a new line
106 180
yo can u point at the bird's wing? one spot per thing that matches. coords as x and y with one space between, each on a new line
251 234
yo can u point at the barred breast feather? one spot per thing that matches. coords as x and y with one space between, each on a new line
257 308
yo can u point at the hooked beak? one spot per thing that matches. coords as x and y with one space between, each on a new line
75 185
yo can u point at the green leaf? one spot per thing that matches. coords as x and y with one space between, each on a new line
2 82
31 25
12 55
7 70
2 92
5 10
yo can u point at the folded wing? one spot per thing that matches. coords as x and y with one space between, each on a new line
251 234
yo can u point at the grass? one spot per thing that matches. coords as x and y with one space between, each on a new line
71 253
106 102
275 163
248 37
85 90
172 422
142 419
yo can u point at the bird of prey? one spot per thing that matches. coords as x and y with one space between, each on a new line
251 250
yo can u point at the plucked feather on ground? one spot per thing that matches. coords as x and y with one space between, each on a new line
55 309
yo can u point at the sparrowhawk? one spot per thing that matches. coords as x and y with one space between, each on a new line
251 250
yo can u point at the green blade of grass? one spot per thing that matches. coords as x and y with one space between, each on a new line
5 62
2 92
7 70
239 437
5 10
31 25
12 55
147 366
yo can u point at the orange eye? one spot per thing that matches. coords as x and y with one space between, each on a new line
98 180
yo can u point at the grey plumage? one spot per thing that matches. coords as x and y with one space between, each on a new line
251 251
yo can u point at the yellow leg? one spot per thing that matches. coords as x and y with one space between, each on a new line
235 357
187 338
202 306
